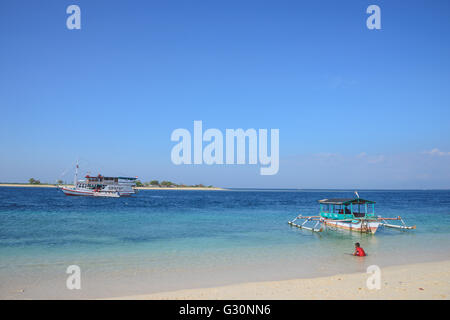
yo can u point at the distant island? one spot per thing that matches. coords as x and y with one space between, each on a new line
152 185
155 184
168 184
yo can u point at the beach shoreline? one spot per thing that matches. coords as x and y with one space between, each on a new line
430 280
215 245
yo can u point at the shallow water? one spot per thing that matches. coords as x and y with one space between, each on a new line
166 240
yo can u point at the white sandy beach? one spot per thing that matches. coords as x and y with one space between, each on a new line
415 281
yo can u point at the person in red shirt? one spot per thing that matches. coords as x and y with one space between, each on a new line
359 251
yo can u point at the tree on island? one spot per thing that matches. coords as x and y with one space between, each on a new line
33 181
139 183
199 186
154 183
168 184
59 182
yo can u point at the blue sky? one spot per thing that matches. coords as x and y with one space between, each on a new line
356 108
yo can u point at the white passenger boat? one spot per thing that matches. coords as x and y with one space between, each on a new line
101 186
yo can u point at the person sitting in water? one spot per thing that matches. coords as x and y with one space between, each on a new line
359 251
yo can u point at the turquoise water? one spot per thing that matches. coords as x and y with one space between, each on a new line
166 240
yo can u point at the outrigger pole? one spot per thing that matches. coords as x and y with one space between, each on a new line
403 226
319 220
307 219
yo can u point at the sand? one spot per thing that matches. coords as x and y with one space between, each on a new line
416 281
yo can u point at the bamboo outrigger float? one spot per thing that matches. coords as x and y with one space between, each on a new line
349 214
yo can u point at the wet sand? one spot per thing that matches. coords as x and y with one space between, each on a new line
414 281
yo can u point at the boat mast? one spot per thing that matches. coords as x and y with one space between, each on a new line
76 175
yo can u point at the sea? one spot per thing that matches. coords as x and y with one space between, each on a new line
165 240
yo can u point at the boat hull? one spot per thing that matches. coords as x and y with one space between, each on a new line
74 192
80 193
362 226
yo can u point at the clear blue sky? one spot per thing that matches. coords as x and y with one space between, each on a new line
356 108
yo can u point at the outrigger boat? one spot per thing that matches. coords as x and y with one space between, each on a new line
349 214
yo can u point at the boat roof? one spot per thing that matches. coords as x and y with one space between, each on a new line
110 178
345 201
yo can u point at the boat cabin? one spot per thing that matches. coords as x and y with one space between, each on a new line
347 208
109 180
100 182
